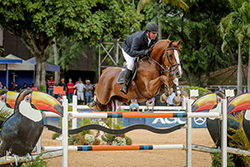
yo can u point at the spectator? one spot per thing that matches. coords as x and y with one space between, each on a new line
170 98
182 91
88 93
134 104
51 83
70 90
62 83
80 88
1 86
14 87
24 86
230 98
193 98
184 98
150 102
59 99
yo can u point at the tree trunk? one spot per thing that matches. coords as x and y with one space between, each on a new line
159 20
56 57
40 82
248 76
239 75
38 71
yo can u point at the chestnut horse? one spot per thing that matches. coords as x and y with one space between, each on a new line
155 73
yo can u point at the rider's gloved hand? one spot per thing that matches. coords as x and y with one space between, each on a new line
151 48
147 52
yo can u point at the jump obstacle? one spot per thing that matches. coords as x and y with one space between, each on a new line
188 116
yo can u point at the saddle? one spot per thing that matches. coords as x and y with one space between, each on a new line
120 79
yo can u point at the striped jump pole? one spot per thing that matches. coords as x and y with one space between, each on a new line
136 115
117 148
142 115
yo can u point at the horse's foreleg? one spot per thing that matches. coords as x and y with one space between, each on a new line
176 82
156 83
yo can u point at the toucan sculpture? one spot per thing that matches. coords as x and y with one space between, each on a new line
7 103
238 104
8 99
212 103
21 131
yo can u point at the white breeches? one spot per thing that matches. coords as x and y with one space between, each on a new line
130 60
80 95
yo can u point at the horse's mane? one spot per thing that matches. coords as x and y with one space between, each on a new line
164 42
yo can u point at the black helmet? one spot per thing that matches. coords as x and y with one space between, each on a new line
151 26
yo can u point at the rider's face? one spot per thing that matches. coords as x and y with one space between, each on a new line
152 35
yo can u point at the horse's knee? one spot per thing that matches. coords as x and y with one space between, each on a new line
164 79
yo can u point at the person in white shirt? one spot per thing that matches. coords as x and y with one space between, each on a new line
184 100
80 88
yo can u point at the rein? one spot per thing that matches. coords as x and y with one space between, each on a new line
162 69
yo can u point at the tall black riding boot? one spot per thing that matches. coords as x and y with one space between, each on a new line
127 78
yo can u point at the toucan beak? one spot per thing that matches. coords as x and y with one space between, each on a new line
11 99
241 102
206 102
45 102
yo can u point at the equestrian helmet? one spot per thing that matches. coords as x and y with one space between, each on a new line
151 26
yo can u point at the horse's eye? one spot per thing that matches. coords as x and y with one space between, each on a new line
171 56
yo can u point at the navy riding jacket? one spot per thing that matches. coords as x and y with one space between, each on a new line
137 43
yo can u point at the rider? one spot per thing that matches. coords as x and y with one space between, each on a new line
135 45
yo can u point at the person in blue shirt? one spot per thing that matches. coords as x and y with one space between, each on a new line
88 93
150 102
134 104
170 98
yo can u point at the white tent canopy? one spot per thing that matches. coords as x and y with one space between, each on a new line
24 66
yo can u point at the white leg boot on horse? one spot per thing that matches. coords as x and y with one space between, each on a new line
177 98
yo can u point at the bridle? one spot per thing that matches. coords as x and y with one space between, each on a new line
163 69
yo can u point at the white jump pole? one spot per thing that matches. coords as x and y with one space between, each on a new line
65 133
189 135
74 109
224 134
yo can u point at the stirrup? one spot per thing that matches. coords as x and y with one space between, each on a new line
124 89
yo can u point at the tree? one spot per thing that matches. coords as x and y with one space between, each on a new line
180 3
68 52
198 31
38 22
236 27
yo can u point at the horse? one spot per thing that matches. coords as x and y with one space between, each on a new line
155 73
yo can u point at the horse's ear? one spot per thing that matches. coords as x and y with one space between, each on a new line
179 42
170 43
